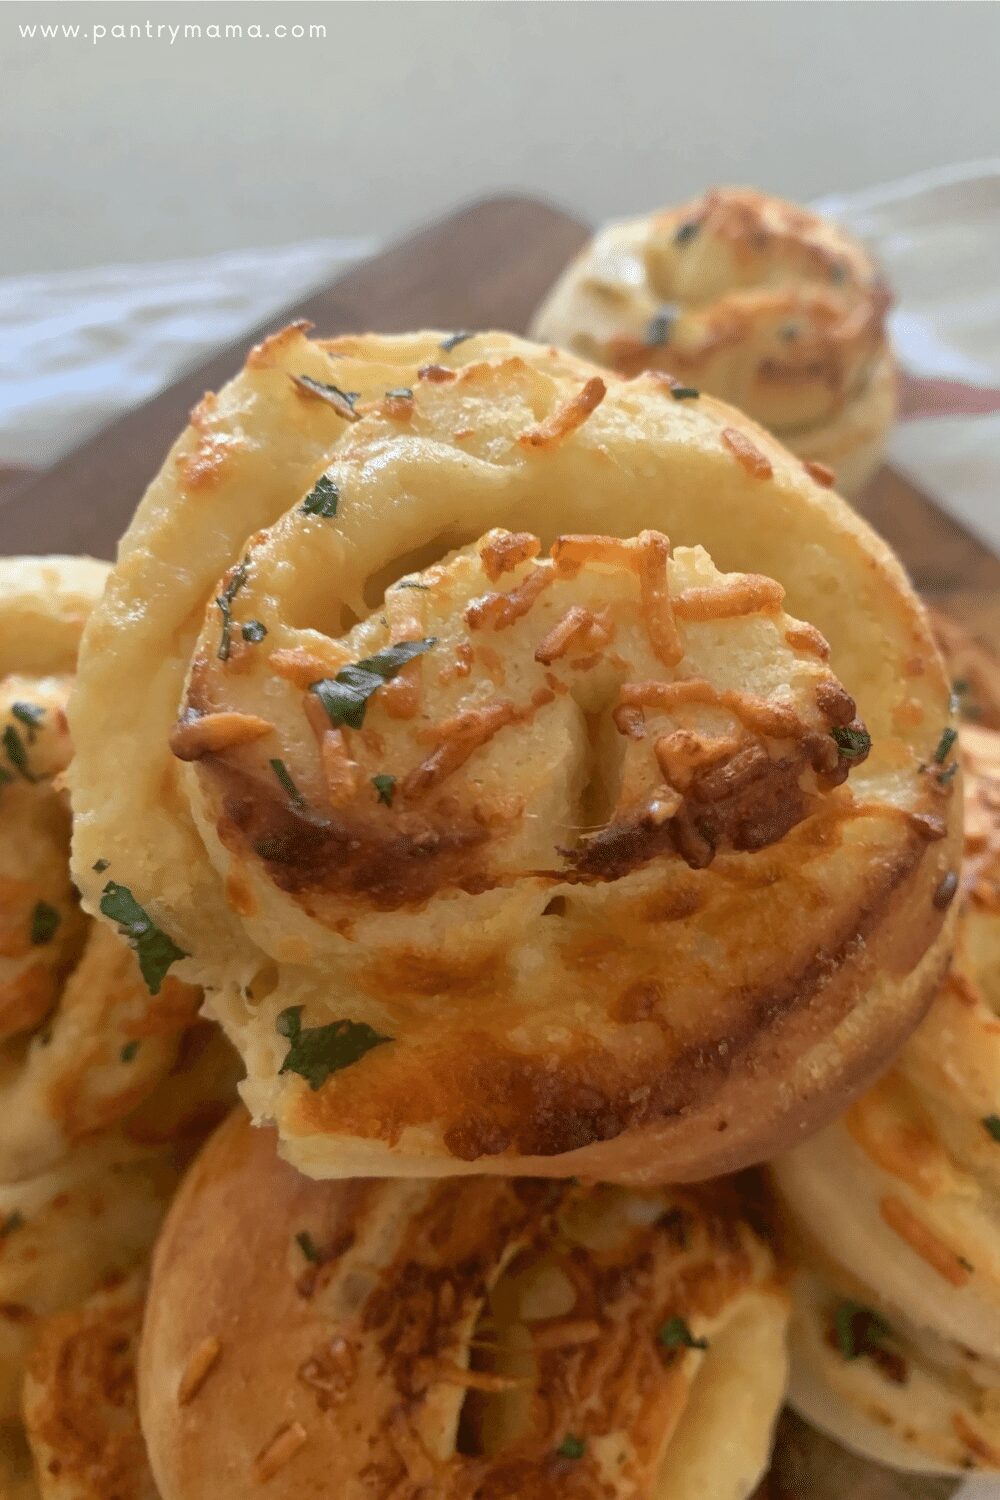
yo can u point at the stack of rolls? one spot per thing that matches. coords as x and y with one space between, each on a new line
753 299
484 742
107 1089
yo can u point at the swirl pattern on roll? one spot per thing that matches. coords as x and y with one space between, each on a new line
499 761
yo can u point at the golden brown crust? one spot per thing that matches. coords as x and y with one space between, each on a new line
474 1339
753 299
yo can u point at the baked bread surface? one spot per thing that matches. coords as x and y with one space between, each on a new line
477 1338
494 743
894 1209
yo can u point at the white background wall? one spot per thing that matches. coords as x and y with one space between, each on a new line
138 149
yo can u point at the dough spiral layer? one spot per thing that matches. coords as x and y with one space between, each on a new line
480 764
463 1339
895 1207
753 299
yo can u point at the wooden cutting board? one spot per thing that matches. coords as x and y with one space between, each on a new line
486 266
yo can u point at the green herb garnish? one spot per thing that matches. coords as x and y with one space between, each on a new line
453 340
13 1221
341 401
225 603
30 715
853 744
687 232
281 771
400 392
411 583
948 738
345 697
992 1124
684 392
838 273
385 785
571 1446
17 755
317 1051
45 920
254 631
307 1245
858 1330
129 1051
100 865
675 1334
154 949
322 498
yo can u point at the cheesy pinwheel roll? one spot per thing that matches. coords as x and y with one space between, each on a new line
533 766
82 1041
455 1339
895 1210
753 299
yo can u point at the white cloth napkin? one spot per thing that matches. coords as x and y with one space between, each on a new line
77 348
938 237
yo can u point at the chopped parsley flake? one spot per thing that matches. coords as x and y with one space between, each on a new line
853 744
411 583
16 753
684 392
571 1446
453 340
687 232
341 401
225 603
307 1245
322 498
992 1124
30 715
944 745
345 697
400 393
858 1330
100 865
10 1223
314 1052
129 1051
675 1334
254 631
281 771
154 949
385 785
45 921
